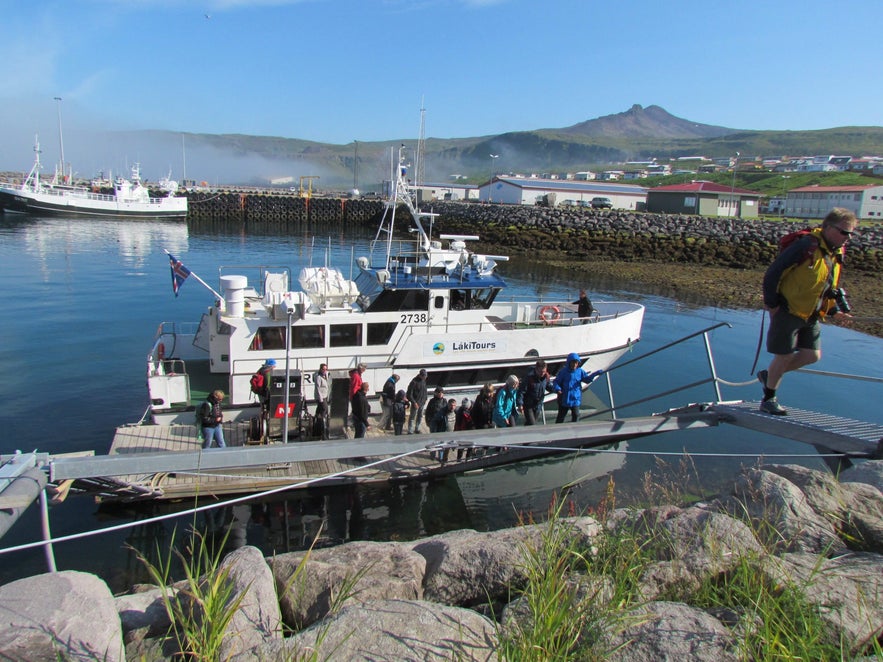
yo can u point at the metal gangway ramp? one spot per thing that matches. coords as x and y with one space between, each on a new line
824 431
838 439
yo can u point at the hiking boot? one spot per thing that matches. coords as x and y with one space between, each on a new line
773 407
761 377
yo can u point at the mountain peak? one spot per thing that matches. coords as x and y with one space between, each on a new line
650 122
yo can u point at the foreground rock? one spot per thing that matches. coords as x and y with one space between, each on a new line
391 630
62 616
438 598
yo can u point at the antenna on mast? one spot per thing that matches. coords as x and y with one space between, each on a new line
421 145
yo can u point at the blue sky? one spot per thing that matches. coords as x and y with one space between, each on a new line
342 70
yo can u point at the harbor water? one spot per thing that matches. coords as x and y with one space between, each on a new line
83 302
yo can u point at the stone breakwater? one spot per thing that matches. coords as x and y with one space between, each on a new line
453 596
637 236
271 208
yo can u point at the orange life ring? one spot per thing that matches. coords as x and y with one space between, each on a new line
160 352
550 314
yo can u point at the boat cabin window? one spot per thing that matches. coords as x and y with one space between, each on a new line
482 298
345 335
458 300
308 336
388 300
379 333
268 337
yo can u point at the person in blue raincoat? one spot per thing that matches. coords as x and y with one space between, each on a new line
568 385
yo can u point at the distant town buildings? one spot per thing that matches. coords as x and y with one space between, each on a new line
696 197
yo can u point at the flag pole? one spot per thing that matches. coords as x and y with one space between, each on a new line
199 280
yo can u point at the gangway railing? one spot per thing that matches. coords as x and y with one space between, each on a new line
713 378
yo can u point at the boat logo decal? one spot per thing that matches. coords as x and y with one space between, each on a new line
438 348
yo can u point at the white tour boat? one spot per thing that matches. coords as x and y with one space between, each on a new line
419 305
130 198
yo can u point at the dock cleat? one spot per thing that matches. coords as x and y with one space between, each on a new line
773 407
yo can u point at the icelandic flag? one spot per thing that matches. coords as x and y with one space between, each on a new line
179 273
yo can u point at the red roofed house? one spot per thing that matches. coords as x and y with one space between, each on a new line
704 199
816 201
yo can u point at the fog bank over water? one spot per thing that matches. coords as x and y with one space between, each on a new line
106 145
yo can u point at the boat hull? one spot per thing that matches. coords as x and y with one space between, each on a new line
25 202
461 362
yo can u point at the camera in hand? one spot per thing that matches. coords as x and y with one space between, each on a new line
839 296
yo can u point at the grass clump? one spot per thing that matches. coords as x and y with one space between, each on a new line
551 616
775 621
578 596
203 604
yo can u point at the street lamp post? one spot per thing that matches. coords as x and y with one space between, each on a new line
60 138
494 158
733 185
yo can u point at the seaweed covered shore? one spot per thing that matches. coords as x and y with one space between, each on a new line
706 261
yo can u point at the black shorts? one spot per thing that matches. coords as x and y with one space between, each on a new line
788 333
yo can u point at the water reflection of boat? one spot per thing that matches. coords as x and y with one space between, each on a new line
532 484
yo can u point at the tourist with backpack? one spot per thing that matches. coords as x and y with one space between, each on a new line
801 288
211 420
260 383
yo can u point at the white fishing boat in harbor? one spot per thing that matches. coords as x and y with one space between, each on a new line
130 197
413 304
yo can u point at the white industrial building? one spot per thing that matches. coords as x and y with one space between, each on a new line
450 191
816 201
524 191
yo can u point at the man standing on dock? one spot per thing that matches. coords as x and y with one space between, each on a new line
800 288
211 419
356 382
361 411
416 395
321 386
387 398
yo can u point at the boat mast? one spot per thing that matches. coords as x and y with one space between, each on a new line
32 181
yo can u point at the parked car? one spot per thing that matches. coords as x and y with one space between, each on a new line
602 203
